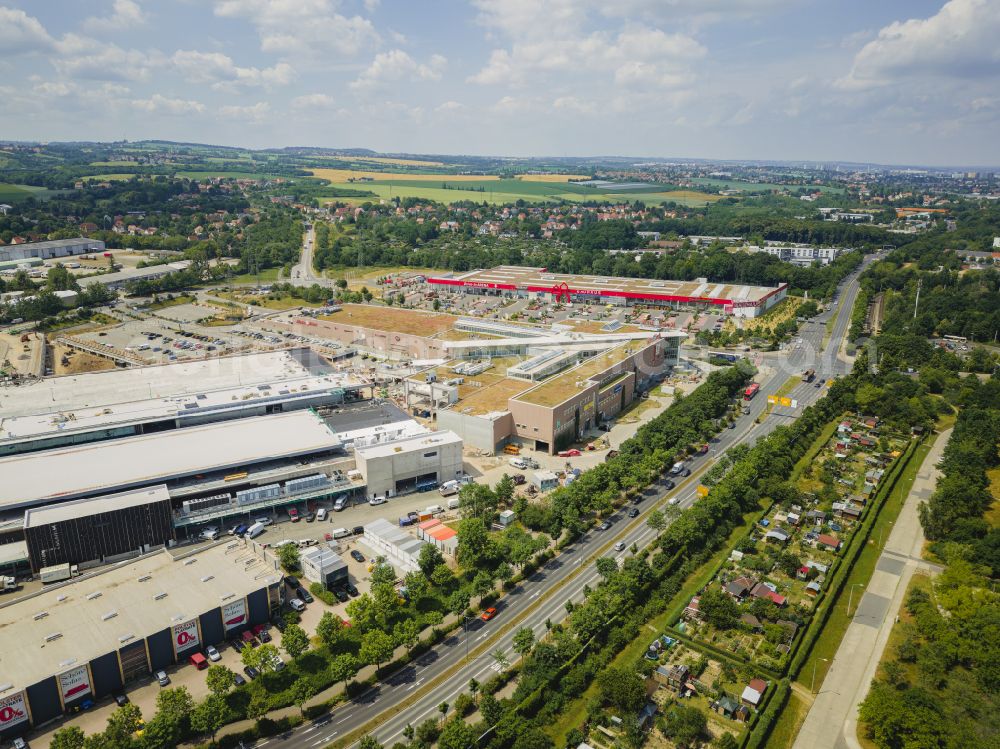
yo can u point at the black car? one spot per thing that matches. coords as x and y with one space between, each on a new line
358 530
634 512
310 517
264 636
121 700
670 483
280 623
237 645
357 556
239 680
251 672
351 590
637 499
304 594
291 582
341 594
687 472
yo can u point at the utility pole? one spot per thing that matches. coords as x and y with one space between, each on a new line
916 302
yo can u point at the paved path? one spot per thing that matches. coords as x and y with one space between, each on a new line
832 720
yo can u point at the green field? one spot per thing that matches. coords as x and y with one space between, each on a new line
511 190
10 193
754 187
223 174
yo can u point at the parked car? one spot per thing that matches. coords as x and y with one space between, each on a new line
357 556
304 594
634 512
237 644
296 605
293 515
212 653
351 590
518 479
291 582
341 595
251 672
670 484
239 680
161 678
488 614
377 501
264 636
263 520
604 526
121 699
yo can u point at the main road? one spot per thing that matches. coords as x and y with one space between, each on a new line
303 273
414 693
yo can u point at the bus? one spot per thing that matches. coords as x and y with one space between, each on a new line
723 355
956 338
751 391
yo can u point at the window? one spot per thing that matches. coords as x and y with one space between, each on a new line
431 455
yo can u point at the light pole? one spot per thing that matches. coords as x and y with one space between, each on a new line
465 626
812 686
850 598
882 528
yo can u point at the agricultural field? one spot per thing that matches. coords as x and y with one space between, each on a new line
755 187
10 193
447 188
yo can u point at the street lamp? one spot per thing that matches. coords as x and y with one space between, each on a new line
882 528
850 598
812 686
465 625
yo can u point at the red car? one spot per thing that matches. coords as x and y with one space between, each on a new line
574 453
293 514
488 614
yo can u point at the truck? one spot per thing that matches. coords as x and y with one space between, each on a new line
7 584
751 391
57 573
808 375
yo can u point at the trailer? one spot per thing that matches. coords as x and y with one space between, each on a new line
57 573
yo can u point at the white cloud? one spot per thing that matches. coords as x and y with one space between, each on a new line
372 5
510 105
83 57
302 27
223 74
574 104
396 65
159 104
125 15
449 107
20 33
313 102
960 41
254 113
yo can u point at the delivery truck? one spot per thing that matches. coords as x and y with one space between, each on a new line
58 572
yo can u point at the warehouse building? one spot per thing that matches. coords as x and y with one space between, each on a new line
121 279
99 530
321 564
416 463
51 249
537 283
88 638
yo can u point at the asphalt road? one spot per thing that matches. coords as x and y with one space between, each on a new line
444 673
302 272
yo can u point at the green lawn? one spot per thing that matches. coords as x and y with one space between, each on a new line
748 187
11 193
791 719
268 275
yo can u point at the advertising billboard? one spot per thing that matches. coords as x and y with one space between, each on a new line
13 710
234 614
186 635
74 683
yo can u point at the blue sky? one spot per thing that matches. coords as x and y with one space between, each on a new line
893 81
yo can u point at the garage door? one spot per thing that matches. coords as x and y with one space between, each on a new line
134 662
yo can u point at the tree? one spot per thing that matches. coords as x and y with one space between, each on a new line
122 723
258 705
288 556
684 725
491 709
482 584
501 659
261 658
343 667
719 609
622 688
456 734
442 576
416 584
443 709
301 692
330 629
369 742
376 648
407 633
606 567
294 641
727 741
70 737
657 521
209 716
174 705
219 679
505 490
524 641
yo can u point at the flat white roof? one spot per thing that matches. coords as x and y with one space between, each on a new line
410 444
96 389
83 618
81 470
58 513
38 426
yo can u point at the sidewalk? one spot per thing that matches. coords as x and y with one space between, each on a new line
832 720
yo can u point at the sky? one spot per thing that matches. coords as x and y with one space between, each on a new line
890 82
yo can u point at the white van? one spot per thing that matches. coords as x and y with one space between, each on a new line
255 530
449 487
454 503
321 513
340 533
677 468
339 504
519 463
434 510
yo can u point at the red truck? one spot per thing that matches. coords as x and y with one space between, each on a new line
751 391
